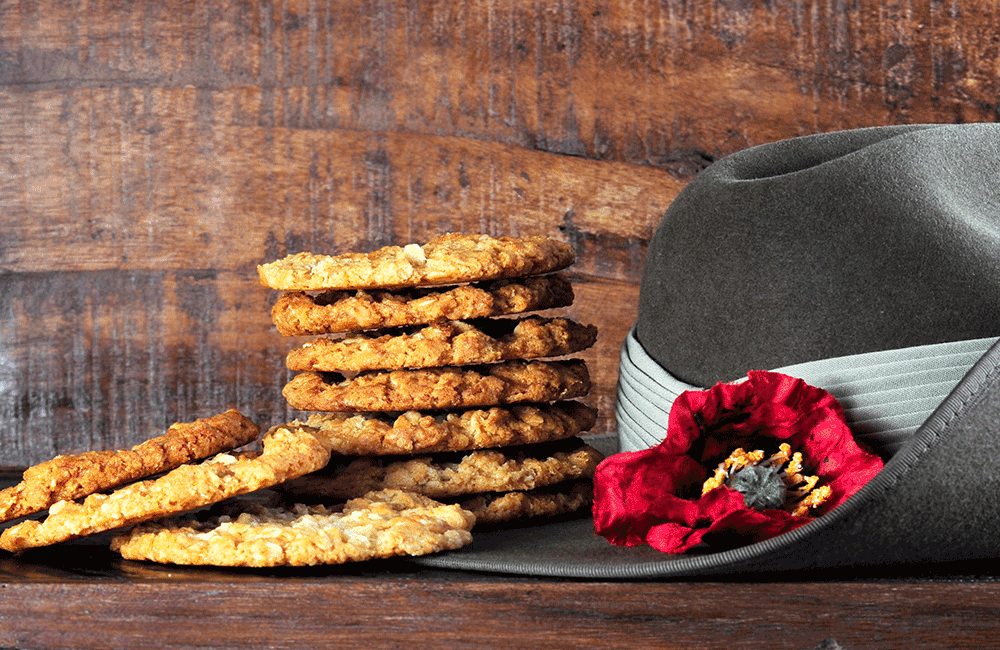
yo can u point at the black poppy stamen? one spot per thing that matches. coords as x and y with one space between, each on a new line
771 483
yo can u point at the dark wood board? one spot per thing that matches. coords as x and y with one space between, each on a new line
79 595
153 153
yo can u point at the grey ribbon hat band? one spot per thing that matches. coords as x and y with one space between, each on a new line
915 510
886 394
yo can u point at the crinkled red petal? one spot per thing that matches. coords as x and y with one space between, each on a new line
653 496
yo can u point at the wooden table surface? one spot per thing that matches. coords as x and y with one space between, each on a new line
153 153
80 595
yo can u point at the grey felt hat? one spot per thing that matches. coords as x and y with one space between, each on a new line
866 262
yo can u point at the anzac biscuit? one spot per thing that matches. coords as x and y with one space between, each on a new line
453 343
379 525
300 314
448 259
499 508
414 432
75 476
288 452
452 474
440 388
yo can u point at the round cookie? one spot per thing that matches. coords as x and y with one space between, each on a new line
300 314
448 387
449 259
288 452
451 474
501 508
414 432
379 525
75 476
453 343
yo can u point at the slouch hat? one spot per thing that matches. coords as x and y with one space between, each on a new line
866 262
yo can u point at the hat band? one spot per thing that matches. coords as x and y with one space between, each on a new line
886 395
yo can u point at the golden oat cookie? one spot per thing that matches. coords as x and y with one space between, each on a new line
288 452
503 507
75 476
416 432
449 259
451 474
300 314
449 387
379 525
453 343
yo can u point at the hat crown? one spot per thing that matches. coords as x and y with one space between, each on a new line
826 246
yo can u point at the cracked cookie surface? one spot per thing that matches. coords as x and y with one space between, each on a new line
503 507
301 314
452 474
416 432
447 387
453 343
449 259
288 452
381 524
74 476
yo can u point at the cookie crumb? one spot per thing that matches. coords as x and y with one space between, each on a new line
415 254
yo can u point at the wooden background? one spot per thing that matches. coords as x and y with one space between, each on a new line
152 153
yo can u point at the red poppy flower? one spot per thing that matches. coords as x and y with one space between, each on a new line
691 488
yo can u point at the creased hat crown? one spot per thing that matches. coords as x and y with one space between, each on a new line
824 246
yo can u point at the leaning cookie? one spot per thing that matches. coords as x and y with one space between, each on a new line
288 452
449 387
505 507
453 343
416 432
75 476
449 259
379 525
300 314
451 474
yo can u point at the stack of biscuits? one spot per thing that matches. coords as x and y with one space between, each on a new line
432 372
428 382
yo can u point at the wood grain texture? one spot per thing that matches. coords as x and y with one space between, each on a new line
153 153
650 82
170 196
480 612
669 84
81 594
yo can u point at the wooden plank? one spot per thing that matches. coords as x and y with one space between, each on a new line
81 594
238 611
106 359
136 180
152 154
663 83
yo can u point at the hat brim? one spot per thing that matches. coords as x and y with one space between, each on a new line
932 502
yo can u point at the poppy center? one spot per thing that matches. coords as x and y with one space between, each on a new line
769 483
762 487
